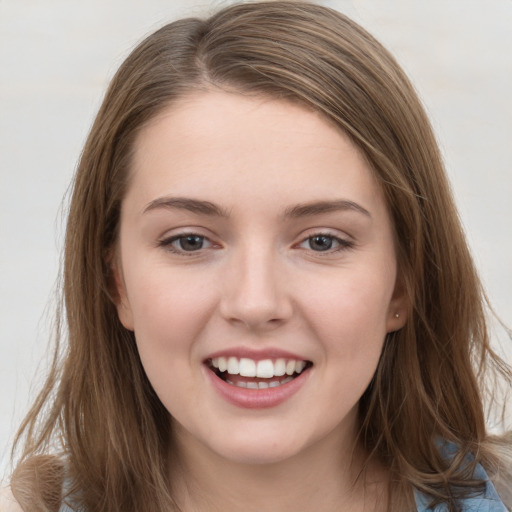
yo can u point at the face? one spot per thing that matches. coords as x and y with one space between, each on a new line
256 267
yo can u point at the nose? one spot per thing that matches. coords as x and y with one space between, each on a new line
255 292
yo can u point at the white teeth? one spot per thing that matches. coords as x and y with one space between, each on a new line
223 364
247 367
290 367
299 366
263 369
279 367
259 385
233 366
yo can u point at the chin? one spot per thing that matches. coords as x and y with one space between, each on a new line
259 450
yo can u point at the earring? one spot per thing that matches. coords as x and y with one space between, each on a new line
397 315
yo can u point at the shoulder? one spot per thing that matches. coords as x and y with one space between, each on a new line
487 501
502 476
503 486
502 481
7 501
37 483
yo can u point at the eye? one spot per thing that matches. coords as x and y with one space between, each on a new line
324 242
188 242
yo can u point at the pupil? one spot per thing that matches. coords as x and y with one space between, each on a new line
191 243
321 243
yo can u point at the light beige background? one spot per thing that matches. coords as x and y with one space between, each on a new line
56 57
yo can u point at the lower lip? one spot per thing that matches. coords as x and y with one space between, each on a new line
257 398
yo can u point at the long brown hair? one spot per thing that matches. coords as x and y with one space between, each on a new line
98 409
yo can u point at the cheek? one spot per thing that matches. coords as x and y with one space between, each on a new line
350 313
169 313
169 309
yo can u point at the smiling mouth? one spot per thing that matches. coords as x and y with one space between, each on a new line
251 374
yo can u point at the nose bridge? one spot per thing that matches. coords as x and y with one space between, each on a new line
255 292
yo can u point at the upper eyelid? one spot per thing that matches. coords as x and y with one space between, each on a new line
334 233
171 238
186 231
342 240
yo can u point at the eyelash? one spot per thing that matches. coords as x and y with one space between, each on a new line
167 243
343 244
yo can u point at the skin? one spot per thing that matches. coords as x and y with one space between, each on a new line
257 281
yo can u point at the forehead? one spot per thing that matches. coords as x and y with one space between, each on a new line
219 144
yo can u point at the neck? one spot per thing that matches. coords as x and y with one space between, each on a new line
327 477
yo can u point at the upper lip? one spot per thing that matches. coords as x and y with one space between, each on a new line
256 354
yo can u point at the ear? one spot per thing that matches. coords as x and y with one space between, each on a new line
119 293
399 307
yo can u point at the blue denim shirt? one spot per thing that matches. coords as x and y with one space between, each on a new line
487 501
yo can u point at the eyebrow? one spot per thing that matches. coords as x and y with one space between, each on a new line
320 207
297 211
185 203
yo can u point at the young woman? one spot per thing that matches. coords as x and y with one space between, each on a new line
270 302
